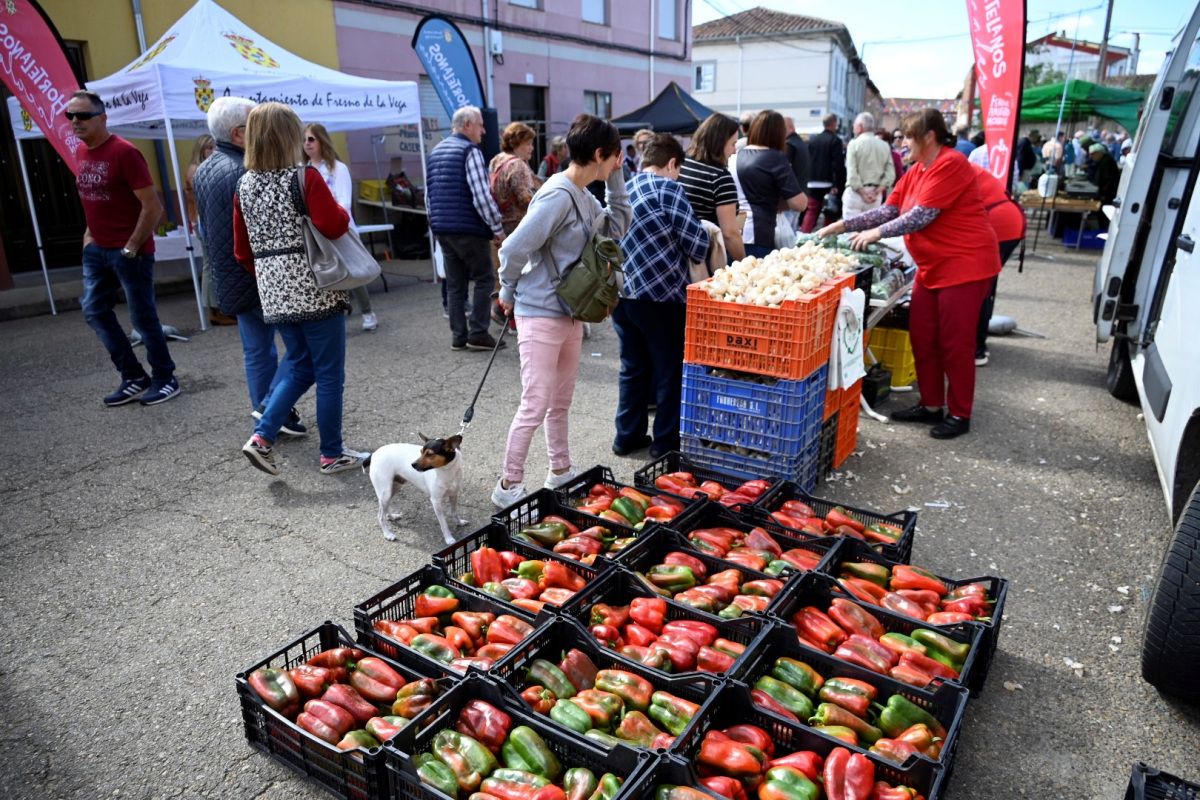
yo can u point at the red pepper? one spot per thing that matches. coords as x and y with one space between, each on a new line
681 650
734 649
752 735
677 558
747 558
906 576
579 546
711 541
927 664
485 723
534 607
866 653
494 651
972 606
912 675
755 487
815 626
648 612
559 575
579 669
639 635
885 791
336 717
736 500
710 660
510 560
674 485
556 596
725 786
764 700
883 532
605 614
730 757
608 636
348 698
378 669
400 631
976 589
661 513
572 528
713 489
840 516
337 657
318 727
473 622
926 598
948 617
311 681
539 698
459 639
508 629
435 601
803 560
863 589
900 604
464 663
806 761
602 490
751 602
848 776
758 539
720 593
853 618
703 633
894 750
487 566
798 507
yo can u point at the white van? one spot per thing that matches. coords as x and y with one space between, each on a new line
1147 302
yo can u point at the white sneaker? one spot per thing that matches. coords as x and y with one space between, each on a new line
554 481
503 498
370 322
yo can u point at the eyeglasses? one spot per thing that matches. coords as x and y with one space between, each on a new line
82 115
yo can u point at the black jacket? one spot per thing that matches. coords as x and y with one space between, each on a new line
798 154
827 159
216 182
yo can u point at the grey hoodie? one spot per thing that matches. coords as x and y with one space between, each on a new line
551 237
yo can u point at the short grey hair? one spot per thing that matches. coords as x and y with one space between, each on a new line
558 143
866 121
227 113
465 116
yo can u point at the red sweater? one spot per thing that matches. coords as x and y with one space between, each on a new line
328 217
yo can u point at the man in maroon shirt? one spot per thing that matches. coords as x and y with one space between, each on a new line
121 208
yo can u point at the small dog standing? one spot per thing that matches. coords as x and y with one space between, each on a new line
435 467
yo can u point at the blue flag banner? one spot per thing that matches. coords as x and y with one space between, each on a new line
447 59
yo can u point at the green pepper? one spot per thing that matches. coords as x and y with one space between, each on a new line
468 759
787 783
436 647
546 673
798 675
531 570
606 739
497 590
851 694
830 714
533 750
636 727
603 707
673 713
634 690
628 509
358 738
787 696
579 783
434 773
414 697
730 612
671 577
899 714
868 571
546 534
777 567
569 715
276 688
609 786
513 783
940 644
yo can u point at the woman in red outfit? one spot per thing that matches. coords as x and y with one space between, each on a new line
1008 221
936 207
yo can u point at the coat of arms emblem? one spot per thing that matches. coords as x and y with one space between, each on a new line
204 93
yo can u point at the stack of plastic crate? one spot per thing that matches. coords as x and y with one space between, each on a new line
753 396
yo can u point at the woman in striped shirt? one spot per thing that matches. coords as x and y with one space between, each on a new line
707 183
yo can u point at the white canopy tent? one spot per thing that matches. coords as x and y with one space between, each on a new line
208 53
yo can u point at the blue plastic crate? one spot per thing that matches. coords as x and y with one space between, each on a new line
802 468
781 417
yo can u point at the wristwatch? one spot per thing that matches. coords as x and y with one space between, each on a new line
128 253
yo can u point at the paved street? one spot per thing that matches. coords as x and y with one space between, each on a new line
146 563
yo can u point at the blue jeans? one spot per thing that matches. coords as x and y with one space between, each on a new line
316 353
104 271
651 335
760 250
263 367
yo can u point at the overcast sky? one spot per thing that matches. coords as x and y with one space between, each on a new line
923 49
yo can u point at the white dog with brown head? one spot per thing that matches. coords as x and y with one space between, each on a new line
435 467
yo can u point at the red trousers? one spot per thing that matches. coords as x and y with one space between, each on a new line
941 327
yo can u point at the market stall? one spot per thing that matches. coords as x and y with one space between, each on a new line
208 53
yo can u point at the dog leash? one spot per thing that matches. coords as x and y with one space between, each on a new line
469 414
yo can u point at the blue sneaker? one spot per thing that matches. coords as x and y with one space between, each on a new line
160 392
292 426
127 392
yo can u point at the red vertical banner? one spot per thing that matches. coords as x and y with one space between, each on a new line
998 42
35 69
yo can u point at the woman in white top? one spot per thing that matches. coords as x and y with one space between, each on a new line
319 152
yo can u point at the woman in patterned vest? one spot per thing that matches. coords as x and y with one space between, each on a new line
268 241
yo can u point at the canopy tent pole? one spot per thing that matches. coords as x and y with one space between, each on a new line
1067 80
425 178
37 230
187 234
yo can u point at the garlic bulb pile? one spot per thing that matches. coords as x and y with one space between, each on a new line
782 275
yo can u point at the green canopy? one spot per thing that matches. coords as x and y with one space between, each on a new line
1041 103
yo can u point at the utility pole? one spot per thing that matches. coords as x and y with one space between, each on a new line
1102 69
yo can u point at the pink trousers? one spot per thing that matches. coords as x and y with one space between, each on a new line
549 348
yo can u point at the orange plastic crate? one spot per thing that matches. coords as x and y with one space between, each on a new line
847 433
789 342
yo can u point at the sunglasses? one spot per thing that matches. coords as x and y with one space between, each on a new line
82 115
310 138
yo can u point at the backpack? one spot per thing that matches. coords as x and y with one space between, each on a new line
591 285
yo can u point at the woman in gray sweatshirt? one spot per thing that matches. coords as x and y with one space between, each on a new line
560 221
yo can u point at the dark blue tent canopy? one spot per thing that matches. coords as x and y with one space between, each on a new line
673 111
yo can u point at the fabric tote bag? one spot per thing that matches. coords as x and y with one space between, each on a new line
341 263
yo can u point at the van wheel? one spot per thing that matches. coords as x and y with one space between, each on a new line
1171 648
1119 380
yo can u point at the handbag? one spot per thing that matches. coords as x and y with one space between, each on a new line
591 285
341 263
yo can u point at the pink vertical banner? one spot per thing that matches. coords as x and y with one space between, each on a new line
998 42
35 69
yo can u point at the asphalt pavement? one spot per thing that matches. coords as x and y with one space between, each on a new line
145 563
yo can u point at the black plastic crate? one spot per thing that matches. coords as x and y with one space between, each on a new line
619 588
947 702
713 515
577 490
456 560
533 507
560 635
353 774
901 551
816 590
1150 783
672 770
571 751
826 446
732 706
677 462
997 589
397 603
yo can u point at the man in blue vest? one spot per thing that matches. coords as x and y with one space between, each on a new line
464 217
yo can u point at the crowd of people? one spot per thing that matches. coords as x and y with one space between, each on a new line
507 233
